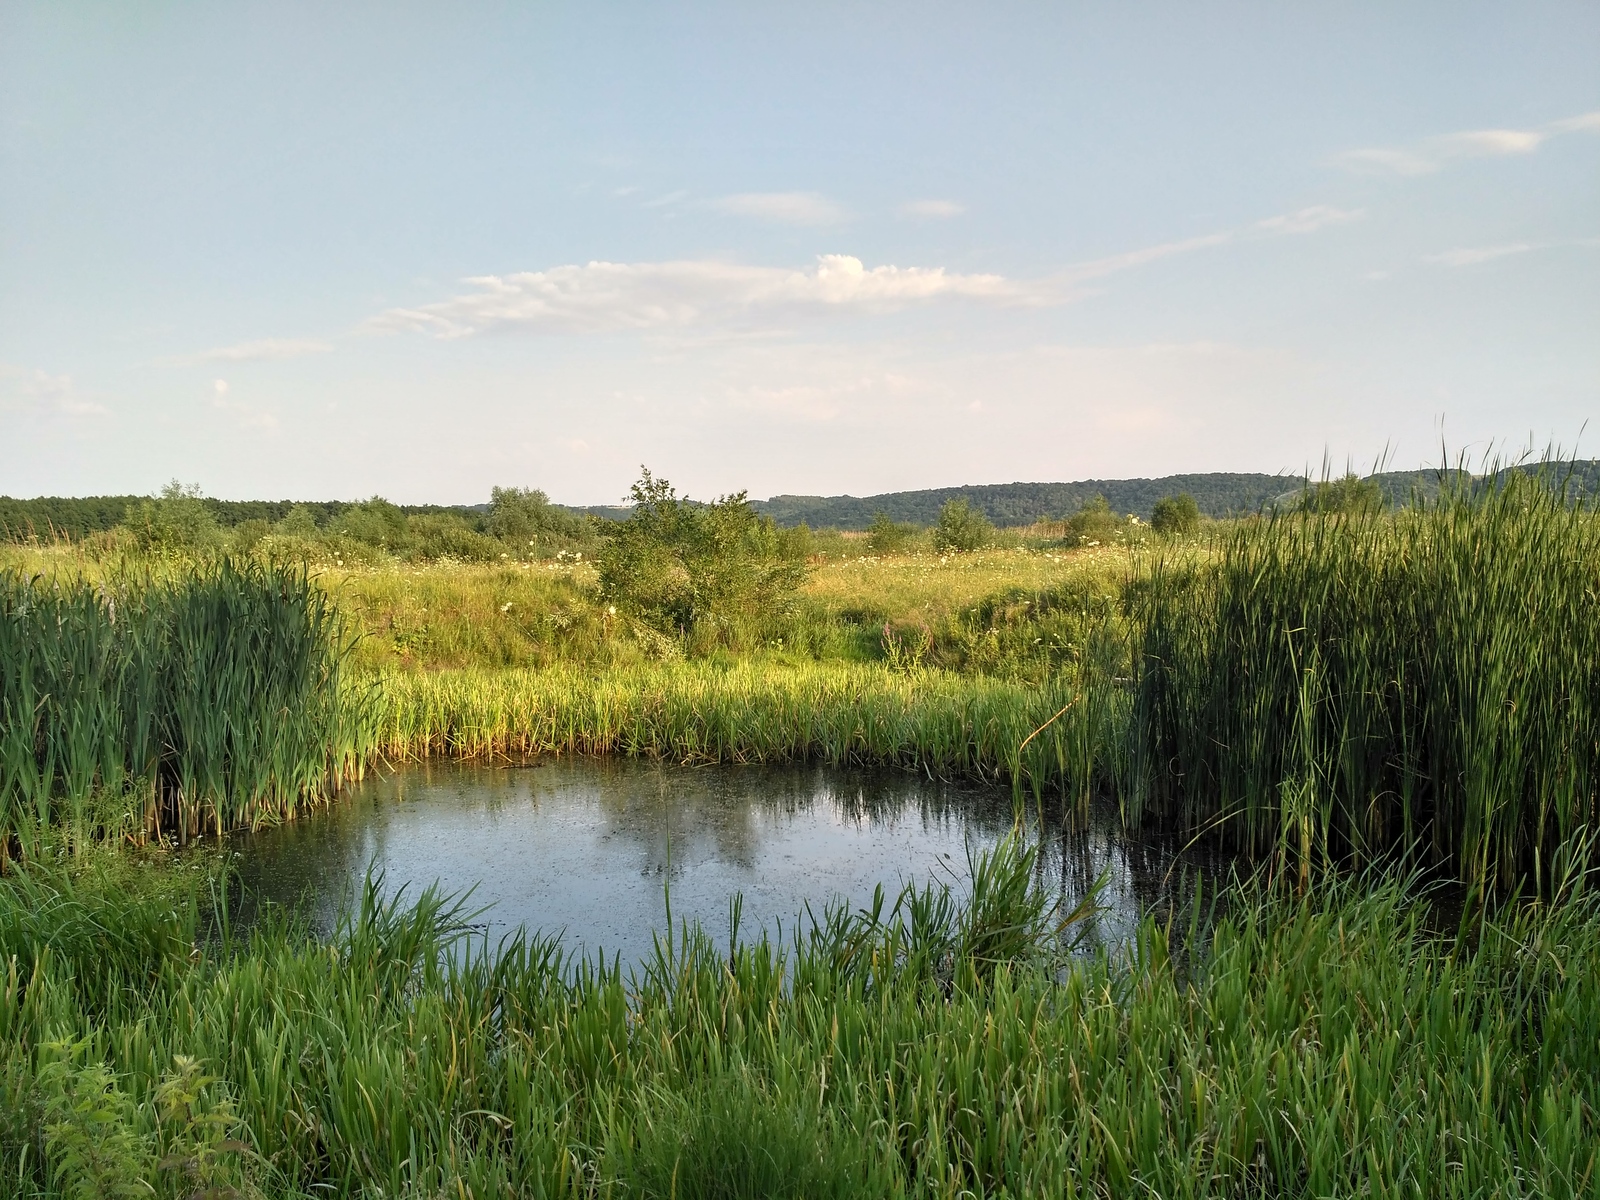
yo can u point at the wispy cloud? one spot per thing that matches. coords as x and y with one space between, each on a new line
1112 263
601 297
938 209
1468 256
262 348
785 208
1309 220
40 391
1434 154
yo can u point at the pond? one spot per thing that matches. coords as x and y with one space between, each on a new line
594 849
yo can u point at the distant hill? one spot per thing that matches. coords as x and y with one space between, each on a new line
1217 494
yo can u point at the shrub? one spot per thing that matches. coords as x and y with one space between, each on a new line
525 518
1347 494
681 567
1175 516
175 522
1093 524
887 536
961 527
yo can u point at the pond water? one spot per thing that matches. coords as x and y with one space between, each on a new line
591 849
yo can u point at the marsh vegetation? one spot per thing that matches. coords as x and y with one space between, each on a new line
1364 704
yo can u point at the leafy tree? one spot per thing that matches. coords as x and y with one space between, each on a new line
683 567
375 523
961 527
525 517
1175 515
174 522
1347 494
886 536
1092 524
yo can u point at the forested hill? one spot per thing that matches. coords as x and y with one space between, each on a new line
1218 495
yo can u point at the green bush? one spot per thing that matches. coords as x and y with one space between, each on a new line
887 536
961 528
1175 516
525 518
175 522
685 568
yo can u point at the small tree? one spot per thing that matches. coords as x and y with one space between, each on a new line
961 527
687 568
525 517
1093 524
1347 494
175 522
1175 516
886 536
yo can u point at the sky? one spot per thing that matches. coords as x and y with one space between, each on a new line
287 250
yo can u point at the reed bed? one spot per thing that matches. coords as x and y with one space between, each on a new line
1322 1046
211 699
1059 736
1345 688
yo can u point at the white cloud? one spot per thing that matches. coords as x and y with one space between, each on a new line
1434 154
1469 256
786 208
1111 264
262 348
220 386
1309 220
932 208
601 297
39 391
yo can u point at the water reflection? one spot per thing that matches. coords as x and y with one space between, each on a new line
588 848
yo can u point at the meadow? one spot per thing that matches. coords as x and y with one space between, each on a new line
1390 717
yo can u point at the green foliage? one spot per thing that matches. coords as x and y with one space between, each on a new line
704 571
1336 688
885 536
375 523
525 517
961 528
175 522
1094 524
1347 494
1334 1044
214 696
1175 516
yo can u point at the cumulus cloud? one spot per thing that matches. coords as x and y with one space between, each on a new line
262 348
932 208
1434 154
1309 220
785 208
601 297
41 392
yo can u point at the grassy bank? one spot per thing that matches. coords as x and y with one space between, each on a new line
927 720
1322 1046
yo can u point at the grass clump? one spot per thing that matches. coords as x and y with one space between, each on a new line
1339 688
210 698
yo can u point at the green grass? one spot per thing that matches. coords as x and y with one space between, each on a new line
1329 1045
1344 688
209 699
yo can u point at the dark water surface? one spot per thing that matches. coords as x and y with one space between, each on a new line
588 848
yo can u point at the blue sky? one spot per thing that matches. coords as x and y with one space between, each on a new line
287 250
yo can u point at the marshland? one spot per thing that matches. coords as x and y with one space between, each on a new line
1375 724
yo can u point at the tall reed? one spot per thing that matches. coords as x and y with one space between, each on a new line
213 698
1340 688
